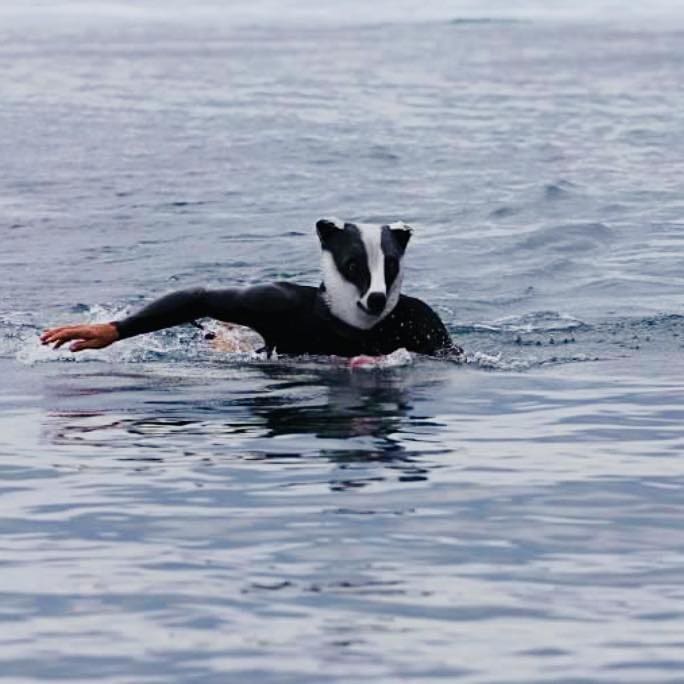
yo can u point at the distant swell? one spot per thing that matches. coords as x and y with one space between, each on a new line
571 237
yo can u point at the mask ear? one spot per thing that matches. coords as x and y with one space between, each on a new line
327 228
401 233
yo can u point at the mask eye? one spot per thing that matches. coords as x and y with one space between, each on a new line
351 268
391 268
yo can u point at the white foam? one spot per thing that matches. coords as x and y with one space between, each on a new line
396 359
535 321
497 362
24 343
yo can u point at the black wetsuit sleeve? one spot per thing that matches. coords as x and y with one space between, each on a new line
257 307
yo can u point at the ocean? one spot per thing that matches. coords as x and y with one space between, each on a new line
174 513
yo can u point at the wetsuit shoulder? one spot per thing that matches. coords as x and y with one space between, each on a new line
418 327
292 293
279 297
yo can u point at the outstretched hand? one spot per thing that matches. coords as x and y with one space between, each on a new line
95 336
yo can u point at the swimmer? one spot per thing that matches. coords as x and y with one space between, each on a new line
358 310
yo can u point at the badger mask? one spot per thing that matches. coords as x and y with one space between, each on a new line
361 265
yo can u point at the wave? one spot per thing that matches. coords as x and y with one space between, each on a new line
541 338
559 190
501 362
512 343
532 322
569 237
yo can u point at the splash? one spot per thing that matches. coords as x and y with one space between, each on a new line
501 362
20 339
228 338
514 343
397 359
536 322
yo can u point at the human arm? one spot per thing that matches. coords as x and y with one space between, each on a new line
253 306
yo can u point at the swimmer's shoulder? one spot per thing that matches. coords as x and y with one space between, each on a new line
279 297
414 308
423 329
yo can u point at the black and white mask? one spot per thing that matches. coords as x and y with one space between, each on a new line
362 272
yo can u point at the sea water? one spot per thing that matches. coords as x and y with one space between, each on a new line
173 513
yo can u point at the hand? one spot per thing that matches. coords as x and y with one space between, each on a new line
95 336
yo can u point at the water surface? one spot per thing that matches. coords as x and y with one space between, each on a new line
173 514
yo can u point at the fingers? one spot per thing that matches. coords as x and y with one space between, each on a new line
48 335
58 336
92 336
85 344
54 333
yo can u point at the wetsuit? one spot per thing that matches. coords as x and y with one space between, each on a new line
294 319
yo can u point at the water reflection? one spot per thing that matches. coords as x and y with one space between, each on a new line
278 414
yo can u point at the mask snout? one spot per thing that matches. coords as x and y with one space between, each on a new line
376 303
